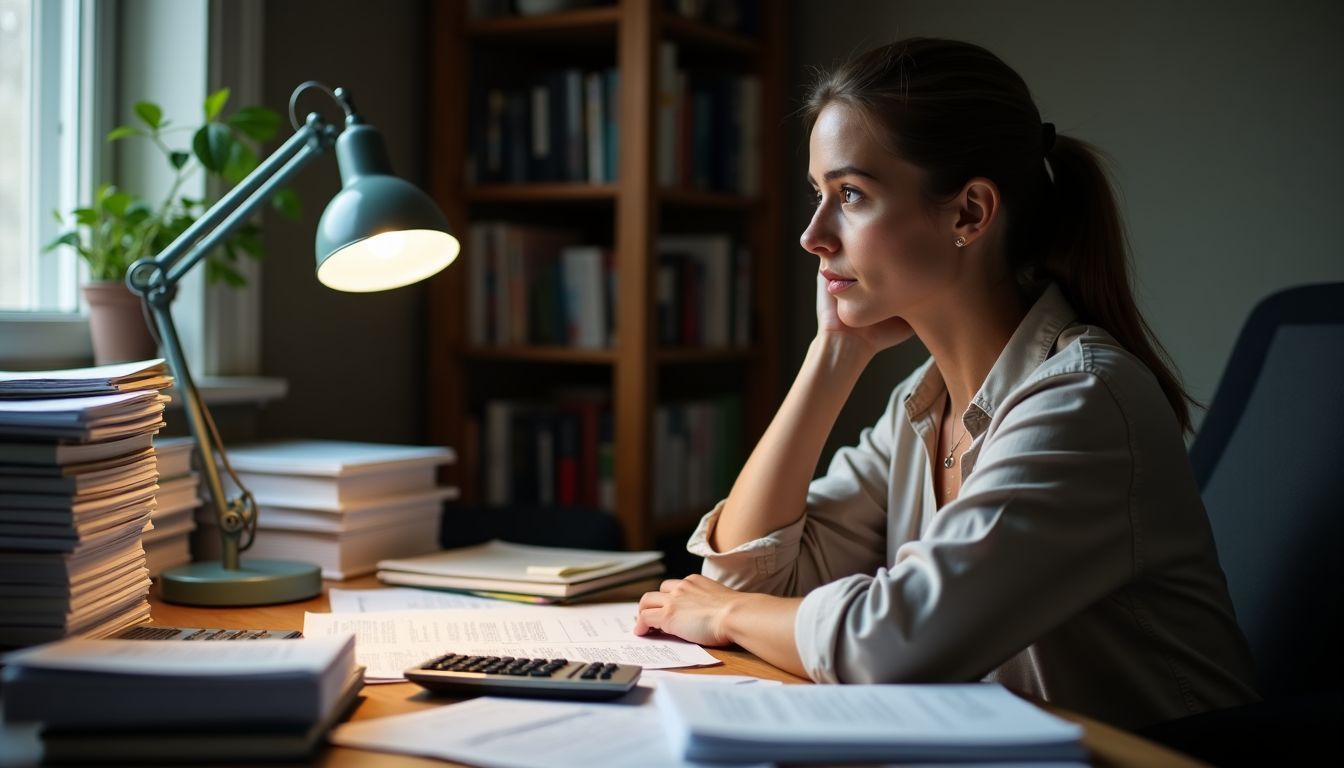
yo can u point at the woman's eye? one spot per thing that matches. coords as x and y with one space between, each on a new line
851 195
814 198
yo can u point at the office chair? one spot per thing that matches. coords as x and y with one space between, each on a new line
1269 460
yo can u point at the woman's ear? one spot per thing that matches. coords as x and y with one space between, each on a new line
977 206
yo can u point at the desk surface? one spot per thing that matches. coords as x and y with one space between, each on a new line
1108 746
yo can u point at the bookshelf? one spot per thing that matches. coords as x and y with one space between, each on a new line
627 214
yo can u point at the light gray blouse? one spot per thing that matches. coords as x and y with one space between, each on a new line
1077 564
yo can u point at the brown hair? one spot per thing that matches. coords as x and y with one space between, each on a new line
957 111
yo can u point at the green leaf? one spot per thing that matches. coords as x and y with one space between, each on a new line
150 113
258 123
212 145
86 216
179 159
67 238
215 102
117 203
287 203
242 160
123 131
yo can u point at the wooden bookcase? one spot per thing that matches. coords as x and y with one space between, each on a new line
634 208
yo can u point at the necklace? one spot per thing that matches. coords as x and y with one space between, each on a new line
949 461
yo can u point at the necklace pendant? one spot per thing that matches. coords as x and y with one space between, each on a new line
948 462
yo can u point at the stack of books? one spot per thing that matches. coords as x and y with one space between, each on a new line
524 573
167 539
342 506
77 484
135 701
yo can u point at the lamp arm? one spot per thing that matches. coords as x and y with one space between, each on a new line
155 280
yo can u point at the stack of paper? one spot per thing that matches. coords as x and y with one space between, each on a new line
167 539
861 723
343 506
501 569
78 479
133 701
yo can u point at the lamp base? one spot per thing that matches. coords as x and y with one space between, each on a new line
255 582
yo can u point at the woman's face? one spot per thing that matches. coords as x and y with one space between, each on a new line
883 253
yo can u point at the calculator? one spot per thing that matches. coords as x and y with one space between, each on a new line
467 675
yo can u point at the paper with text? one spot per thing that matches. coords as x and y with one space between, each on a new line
511 733
406 599
387 643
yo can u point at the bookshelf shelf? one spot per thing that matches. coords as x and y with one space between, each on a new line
533 354
583 22
542 193
670 355
639 392
697 33
696 198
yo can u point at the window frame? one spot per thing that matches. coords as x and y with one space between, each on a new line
73 44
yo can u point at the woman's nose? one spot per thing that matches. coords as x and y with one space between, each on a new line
817 239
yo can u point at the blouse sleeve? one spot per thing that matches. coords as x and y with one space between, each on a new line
842 531
1040 530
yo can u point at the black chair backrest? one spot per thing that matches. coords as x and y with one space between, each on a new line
1269 459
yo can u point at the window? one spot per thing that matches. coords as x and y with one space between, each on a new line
44 150
47 159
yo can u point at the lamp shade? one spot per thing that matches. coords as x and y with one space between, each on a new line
379 232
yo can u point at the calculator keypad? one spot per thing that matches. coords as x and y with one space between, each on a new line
461 674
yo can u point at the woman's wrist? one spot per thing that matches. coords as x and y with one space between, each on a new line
840 352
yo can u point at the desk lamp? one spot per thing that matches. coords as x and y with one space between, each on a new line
379 232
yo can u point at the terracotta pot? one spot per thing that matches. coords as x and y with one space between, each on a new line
117 324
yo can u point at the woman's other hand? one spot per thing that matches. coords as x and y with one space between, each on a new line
692 608
876 338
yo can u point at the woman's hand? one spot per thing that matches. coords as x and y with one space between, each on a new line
692 608
876 338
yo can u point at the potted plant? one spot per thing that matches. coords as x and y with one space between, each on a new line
119 227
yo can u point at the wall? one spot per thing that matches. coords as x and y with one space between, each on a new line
1223 122
355 362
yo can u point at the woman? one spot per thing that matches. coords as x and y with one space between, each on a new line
1024 511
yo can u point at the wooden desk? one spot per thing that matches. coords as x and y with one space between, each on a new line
1108 746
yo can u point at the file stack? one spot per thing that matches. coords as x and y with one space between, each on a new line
132 702
77 483
342 506
168 539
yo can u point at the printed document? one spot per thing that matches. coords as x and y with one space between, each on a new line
513 733
854 723
387 643
406 599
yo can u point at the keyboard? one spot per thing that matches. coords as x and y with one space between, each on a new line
150 632
465 675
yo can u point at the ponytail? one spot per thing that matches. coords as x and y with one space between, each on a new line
957 111
1089 259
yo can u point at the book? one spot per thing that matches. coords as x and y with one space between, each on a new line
102 379
340 553
60 453
174 455
80 479
521 569
87 684
204 743
861 723
326 474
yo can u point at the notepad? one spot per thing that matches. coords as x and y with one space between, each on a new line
503 567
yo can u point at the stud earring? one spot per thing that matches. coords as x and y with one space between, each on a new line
959 242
